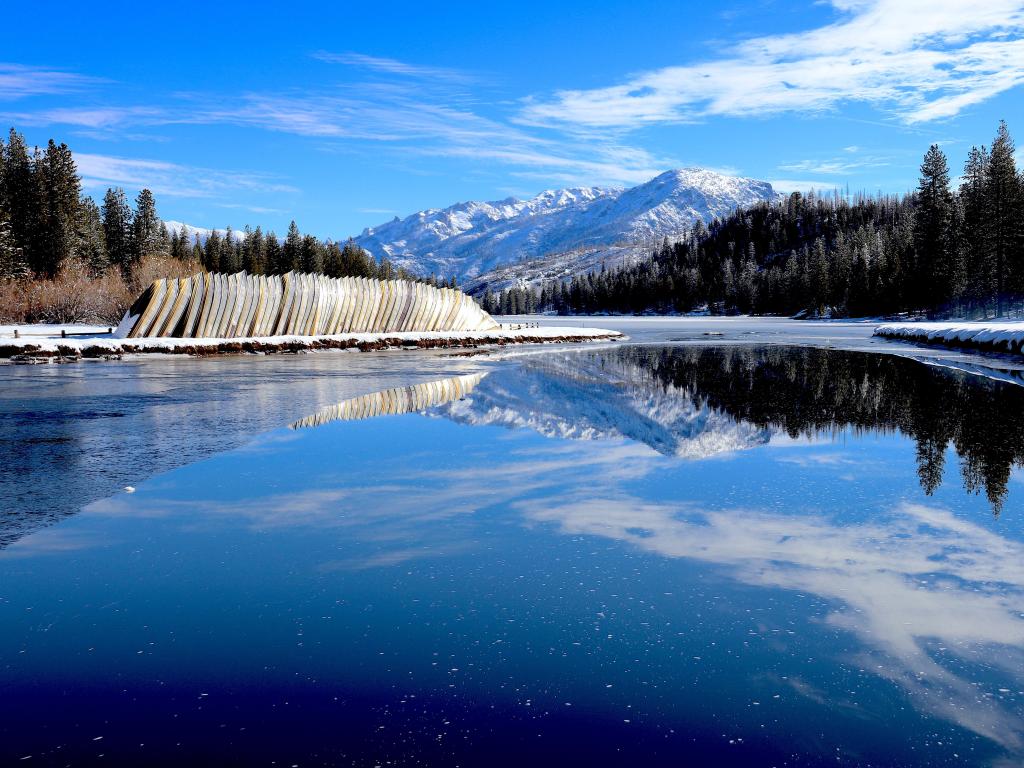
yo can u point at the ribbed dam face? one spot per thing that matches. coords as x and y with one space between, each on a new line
211 305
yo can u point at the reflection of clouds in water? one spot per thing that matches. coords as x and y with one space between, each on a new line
53 541
919 574
905 584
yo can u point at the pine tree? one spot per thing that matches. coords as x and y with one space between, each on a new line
311 256
92 243
118 231
230 255
1004 213
180 248
292 256
22 197
974 232
145 227
254 252
936 262
212 252
59 198
274 254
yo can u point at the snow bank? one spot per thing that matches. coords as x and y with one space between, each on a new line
46 341
996 336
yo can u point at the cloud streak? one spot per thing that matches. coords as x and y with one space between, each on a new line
101 171
919 60
18 81
388 66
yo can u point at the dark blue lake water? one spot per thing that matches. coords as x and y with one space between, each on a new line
635 556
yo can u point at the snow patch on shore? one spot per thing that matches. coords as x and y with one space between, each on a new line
1004 336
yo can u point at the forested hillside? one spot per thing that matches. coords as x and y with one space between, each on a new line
937 249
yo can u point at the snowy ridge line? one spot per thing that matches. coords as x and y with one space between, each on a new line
993 336
103 347
471 239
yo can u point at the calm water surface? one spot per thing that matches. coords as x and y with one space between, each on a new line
650 555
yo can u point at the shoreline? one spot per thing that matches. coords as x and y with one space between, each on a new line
1004 337
35 348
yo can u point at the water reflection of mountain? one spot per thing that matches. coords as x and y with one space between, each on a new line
604 396
698 401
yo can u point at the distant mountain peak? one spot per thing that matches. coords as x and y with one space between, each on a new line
472 240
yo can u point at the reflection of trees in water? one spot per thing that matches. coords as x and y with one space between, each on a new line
810 391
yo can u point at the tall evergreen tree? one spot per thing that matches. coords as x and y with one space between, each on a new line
22 197
118 231
92 243
933 242
60 195
974 231
230 254
312 257
274 254
145 226
212 253
292 256
1004 213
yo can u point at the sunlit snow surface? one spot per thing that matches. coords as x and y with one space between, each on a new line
727 554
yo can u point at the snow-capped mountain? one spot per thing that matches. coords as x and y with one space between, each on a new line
202 232
563 231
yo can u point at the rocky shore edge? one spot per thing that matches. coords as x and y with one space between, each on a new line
60 350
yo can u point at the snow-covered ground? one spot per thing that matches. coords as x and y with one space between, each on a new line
47 339
999 336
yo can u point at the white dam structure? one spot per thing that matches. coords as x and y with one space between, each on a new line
219 306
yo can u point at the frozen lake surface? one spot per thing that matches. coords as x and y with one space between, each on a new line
687 549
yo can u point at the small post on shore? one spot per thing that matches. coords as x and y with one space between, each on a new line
63 333
15 333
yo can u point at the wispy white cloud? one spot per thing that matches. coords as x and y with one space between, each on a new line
834 166
18 81
803 185
394 66
919 60
101 171
412 120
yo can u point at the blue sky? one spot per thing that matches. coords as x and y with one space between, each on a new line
343 115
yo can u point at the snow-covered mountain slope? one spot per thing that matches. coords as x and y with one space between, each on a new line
602 397
573 229
202 232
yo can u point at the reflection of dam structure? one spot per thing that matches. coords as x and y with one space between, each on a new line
211 305
398 400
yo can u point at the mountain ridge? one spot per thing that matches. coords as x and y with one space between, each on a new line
566 231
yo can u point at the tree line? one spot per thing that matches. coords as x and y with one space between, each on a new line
46 222
45 219
937 249
807 392
265 254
